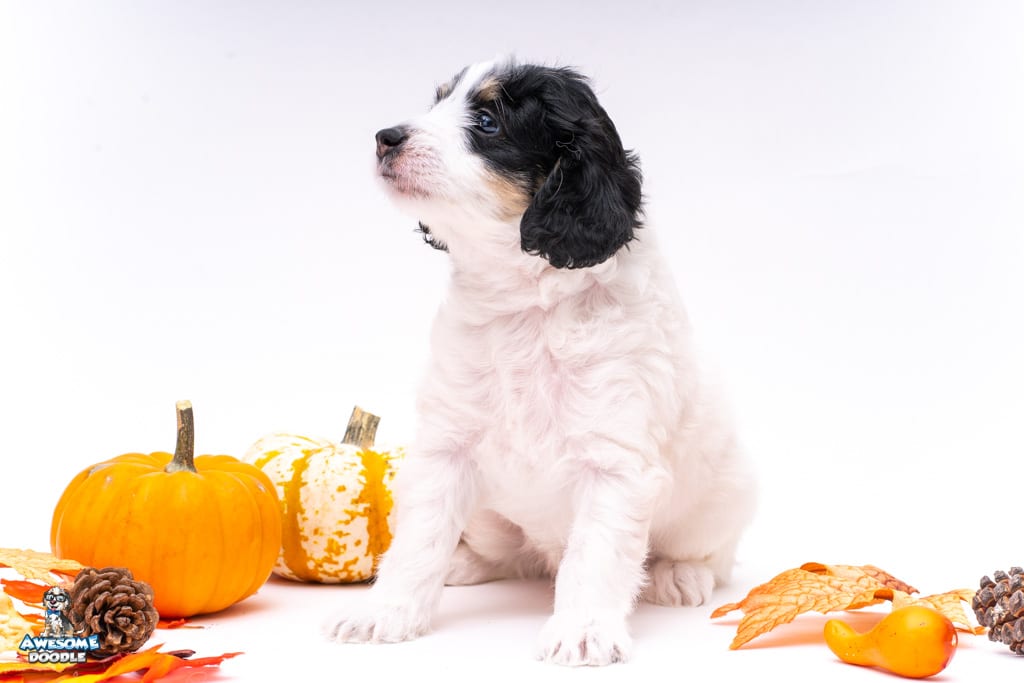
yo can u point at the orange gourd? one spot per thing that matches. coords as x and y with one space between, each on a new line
203 532
913 641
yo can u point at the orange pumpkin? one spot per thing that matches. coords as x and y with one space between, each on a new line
203 532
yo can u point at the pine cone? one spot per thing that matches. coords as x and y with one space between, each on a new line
109 603
999 605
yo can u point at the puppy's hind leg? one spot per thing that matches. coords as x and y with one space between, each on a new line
468 569
492 548
678 583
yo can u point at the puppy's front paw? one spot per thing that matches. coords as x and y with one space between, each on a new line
584 639
374 622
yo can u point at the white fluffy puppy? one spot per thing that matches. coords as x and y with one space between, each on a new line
565 427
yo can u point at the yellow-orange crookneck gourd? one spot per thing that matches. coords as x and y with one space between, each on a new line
914 641
203 532
336 501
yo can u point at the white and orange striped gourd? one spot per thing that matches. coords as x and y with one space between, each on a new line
336 501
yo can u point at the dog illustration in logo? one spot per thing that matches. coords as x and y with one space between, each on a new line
56 600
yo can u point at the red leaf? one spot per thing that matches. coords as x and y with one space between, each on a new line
211 661
171 623
70 575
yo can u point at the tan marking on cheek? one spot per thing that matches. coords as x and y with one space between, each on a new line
489 90
510 199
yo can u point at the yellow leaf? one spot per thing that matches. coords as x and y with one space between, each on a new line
32 564
949 604
23 667
13 626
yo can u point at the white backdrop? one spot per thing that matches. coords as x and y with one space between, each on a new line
188 210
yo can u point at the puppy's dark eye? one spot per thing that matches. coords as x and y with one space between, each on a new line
486 123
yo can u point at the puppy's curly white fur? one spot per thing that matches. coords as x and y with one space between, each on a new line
565 427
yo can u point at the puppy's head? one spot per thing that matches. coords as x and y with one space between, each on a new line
516 153
56 599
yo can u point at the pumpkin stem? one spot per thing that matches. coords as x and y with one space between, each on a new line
362 429
185 448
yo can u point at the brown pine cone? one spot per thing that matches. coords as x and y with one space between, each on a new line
999 605
111 604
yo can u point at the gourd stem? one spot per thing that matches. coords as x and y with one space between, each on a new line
185 448
362 429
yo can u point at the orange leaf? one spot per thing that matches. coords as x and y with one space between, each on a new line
812 587
124 665
98 665
155 664
849 572
161 667
21 667
135 662
26 591
171 663
37 619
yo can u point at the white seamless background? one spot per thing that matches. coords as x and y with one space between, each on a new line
188 210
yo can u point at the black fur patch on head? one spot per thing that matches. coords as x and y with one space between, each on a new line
543 130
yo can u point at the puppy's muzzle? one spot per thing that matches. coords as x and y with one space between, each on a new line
390 141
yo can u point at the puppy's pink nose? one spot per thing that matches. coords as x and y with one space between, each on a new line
390 140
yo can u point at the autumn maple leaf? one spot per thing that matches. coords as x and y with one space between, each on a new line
815 587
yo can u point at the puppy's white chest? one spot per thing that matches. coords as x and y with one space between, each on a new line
521 451
526 387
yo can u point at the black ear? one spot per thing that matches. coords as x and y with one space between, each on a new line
589 205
